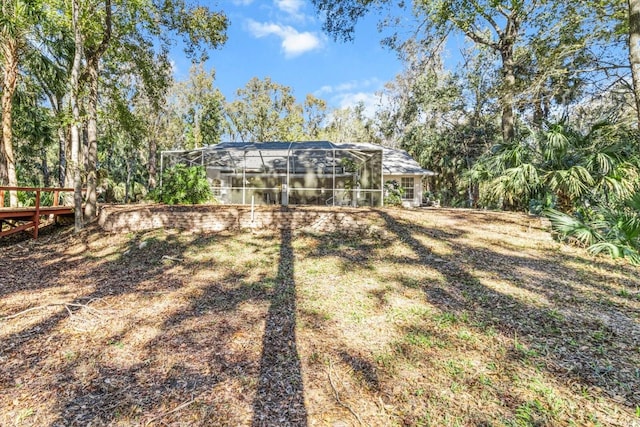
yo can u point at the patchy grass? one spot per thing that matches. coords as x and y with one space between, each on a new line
431 317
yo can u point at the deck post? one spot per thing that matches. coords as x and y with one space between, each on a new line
36 217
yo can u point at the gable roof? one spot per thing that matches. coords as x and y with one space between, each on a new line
399 162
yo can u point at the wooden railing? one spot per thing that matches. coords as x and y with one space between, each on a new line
38 190
22 218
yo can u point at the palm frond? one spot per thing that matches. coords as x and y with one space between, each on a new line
601 162
620 187
574 181
612 249
555 143
616 251
633 202
569 226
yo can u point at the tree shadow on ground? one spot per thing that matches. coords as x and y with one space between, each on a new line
90 398
600 358
280 396
207 357
188 361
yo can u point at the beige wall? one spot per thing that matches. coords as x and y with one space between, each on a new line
418 189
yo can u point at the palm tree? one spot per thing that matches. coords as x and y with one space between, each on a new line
576 169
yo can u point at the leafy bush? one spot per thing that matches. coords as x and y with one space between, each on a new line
393 193
614 230
28 198
560 167
115 191
183 185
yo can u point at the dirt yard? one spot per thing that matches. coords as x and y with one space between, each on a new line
427 317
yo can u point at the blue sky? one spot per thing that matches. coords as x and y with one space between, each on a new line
283 39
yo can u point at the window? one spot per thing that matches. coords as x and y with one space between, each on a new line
216 187
407 185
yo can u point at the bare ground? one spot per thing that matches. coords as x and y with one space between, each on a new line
430 317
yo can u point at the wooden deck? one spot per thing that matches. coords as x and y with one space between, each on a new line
15 219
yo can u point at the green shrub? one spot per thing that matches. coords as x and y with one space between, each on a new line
610 229
393 193
183 185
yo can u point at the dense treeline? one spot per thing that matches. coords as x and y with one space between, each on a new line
541 115
76 78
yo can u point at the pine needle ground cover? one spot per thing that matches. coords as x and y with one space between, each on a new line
428 317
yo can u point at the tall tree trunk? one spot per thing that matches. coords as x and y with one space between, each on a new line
84 141
75 111
62 155
93 64
57 104
634 51
69 171
91 207
128 183
3 167
46 173
152 163
9 82
508 119
539 114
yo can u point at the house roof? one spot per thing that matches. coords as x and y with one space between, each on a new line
399 162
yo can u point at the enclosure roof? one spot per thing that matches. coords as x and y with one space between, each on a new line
298 145
394 162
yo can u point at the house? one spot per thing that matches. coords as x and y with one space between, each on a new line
399 166
307 172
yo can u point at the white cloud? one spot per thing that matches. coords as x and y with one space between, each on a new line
324 90
292 7
370 100
294 43
351 86
351 93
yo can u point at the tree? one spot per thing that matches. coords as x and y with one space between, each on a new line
315 113
264 111
200 105
33 132
634 50
94 50
198 26
500 26
74 90
137 76
123 147
563 168
17 21
444 120
349 124
50 67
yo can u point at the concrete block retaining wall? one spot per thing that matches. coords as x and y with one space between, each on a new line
215 218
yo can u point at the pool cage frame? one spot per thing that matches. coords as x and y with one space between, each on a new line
283 173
